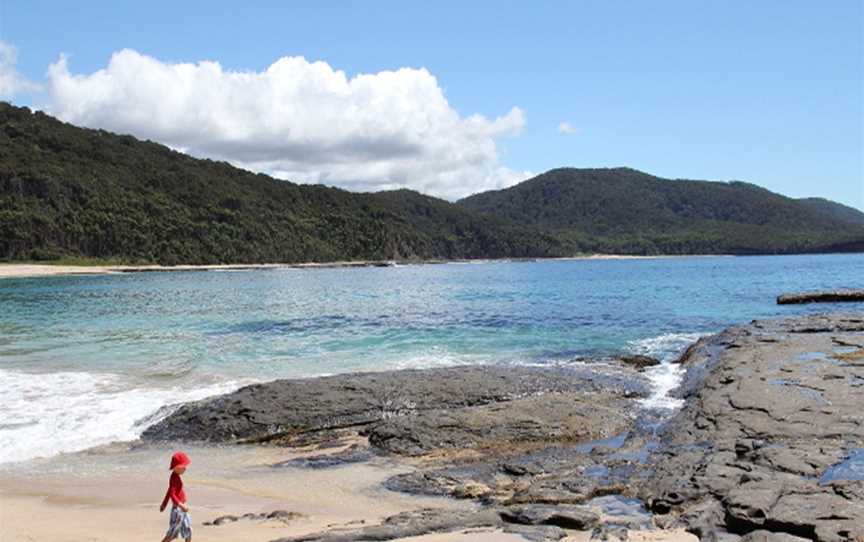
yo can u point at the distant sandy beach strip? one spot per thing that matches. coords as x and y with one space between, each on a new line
40 270
16 270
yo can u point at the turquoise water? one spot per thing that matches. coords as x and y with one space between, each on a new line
131 343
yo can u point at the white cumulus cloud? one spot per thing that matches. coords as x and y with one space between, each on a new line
297 120
12 82
567 128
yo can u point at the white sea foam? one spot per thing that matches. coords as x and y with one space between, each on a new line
45 414
666 376
434 359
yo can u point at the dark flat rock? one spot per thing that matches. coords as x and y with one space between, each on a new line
535 524
828 296
413 523
568 517
275 515
286 410
639 361
504 428
771 406
536 533
769 536
352 454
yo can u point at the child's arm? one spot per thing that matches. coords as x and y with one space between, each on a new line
165 500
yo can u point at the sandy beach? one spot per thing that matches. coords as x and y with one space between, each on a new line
115 491
79 492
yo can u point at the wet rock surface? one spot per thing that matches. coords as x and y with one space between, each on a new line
771 407
640 361
573 474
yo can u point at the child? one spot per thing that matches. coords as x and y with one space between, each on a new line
180 523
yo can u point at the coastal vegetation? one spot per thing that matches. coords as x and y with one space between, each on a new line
68 193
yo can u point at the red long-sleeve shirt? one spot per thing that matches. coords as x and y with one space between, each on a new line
175 491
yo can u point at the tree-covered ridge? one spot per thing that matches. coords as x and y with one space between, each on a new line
68 191
72 192
834 210
622 209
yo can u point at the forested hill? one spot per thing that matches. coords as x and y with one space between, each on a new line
68 191
834 210
624 210
72 192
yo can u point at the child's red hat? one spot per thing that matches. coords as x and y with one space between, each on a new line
179 459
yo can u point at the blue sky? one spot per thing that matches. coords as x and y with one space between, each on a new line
768 92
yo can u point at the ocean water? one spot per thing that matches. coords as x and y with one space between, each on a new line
87 360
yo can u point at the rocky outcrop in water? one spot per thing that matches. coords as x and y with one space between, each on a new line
640 361
408 412
830 296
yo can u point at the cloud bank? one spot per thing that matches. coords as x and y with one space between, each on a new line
12 82
296 120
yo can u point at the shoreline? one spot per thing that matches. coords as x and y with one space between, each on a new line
30 270
126 484
496 454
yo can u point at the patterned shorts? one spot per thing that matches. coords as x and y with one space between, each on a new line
180 524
